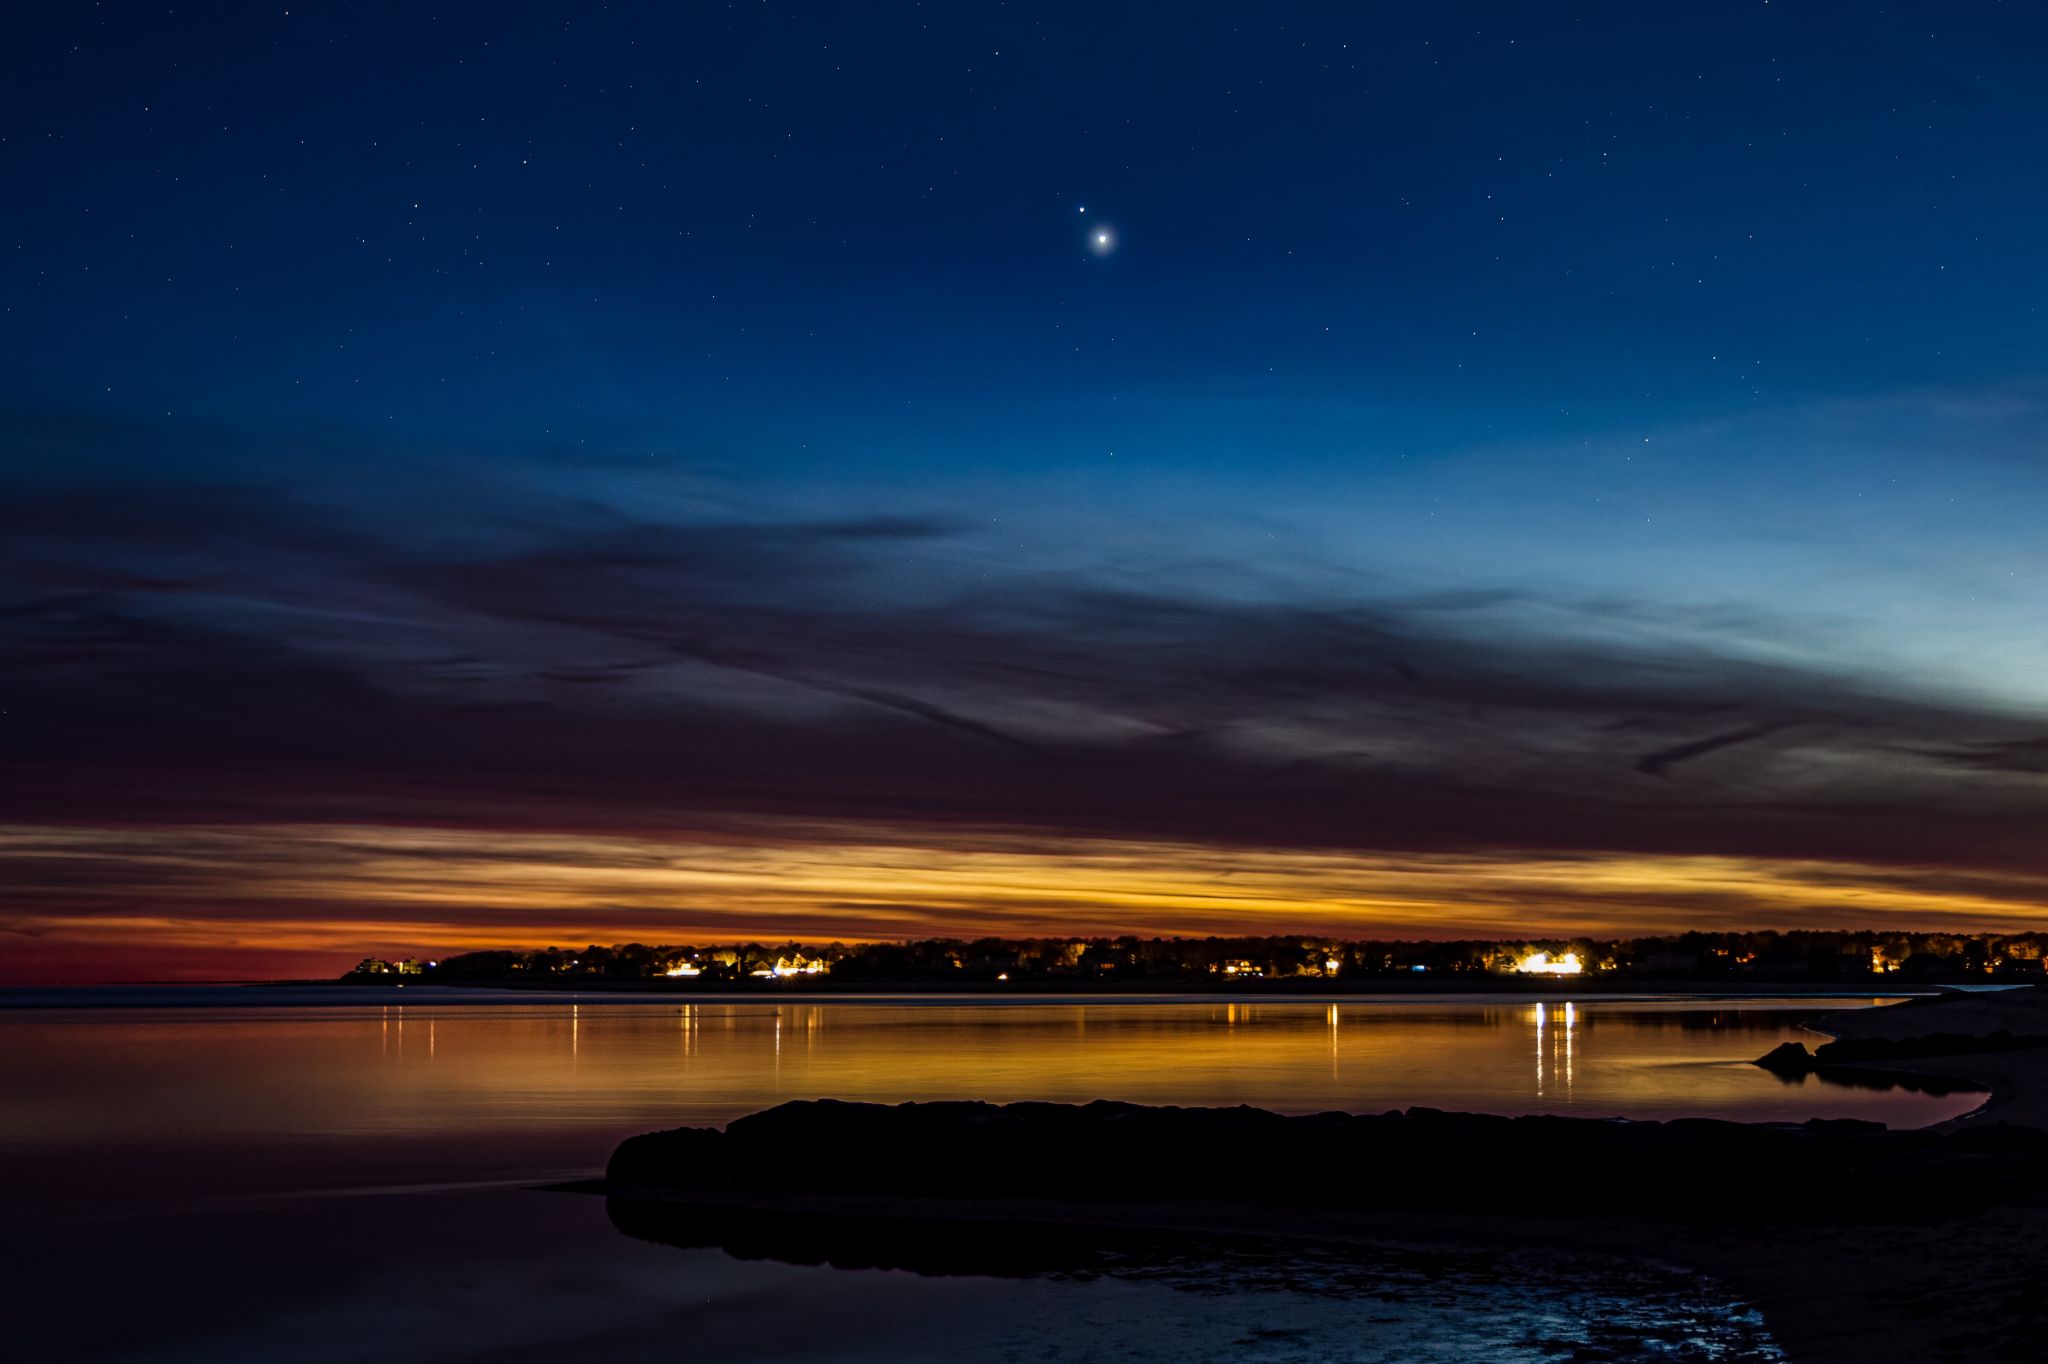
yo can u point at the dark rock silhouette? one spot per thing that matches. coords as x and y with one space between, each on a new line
1688 1169
1787 1058
1847 1057
1854 1050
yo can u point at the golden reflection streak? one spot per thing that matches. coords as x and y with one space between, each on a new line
1333 1042
1571 1022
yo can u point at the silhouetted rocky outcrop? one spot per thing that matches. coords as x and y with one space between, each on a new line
1790 1058
1690 1168
1787 1058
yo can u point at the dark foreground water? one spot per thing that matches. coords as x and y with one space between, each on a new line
329 1183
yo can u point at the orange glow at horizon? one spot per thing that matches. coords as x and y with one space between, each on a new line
341 892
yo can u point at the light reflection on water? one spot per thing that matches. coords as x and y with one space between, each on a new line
387 1093
159 1157
428 1069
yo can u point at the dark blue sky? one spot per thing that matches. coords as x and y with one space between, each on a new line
805 237
664 412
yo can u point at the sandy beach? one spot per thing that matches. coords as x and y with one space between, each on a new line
2017 1079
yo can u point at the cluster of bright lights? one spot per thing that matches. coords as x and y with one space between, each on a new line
1543 964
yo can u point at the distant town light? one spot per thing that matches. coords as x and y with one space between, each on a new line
1543 964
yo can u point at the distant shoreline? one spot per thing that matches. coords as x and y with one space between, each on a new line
337 994
1307 987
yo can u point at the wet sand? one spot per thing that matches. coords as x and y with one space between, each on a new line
1971 1288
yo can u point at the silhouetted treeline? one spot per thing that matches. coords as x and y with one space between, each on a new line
1842 956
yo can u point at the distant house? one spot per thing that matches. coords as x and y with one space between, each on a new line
377 966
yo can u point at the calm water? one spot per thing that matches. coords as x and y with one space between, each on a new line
342 1182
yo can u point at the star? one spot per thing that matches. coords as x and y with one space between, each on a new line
1102 241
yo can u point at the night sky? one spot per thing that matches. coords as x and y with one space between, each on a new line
521 474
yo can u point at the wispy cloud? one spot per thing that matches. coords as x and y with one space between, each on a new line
261 656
